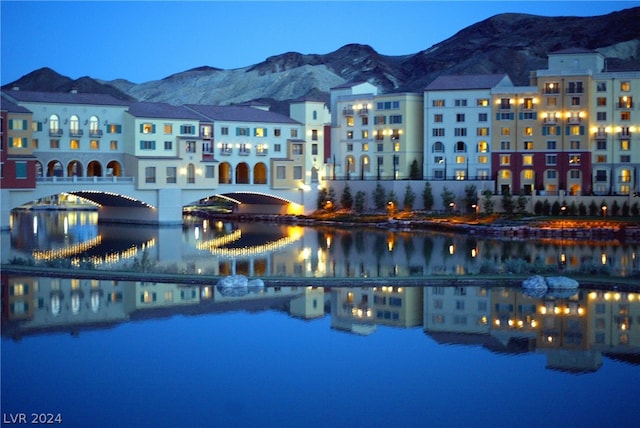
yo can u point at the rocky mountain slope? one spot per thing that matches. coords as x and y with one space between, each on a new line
506 43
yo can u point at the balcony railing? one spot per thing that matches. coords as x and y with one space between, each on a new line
76 132
624 105
55 132
573 120
600 135
75 179
262 152
95 133
347 112
363 111
226 151
550 120
244 152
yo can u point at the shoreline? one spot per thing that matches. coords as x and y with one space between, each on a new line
485 280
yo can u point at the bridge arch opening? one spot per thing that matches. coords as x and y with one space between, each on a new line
260 173
94 169
242 173
224 172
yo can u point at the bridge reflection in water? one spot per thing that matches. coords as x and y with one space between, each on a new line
574 331
213 247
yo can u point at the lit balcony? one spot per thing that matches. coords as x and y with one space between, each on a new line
226 151
363 111
600 135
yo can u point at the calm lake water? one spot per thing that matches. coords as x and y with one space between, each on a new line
140 354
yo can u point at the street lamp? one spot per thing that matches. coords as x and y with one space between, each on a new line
604 211
453 207
475 210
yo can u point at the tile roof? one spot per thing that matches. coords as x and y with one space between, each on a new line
162 111
7 105
349 85
240 114
462 82
65 98
572 51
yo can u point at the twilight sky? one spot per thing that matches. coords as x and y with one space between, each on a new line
150 40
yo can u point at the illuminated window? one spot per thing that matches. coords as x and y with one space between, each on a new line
601 101
551 88
625 86
625 115
574 159
113 145
437 103
505 160
528 103
168 128
168 296
483 147
528 174
552 101
54 144
505 174
94 145
575 144
576 130
483 159
74 144
625 145
148 128
505 131
482 102
350 121
528 145
74 124
601 159
482 132
396 147
365 134
460 159
527 159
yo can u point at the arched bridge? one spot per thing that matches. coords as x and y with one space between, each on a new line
120 200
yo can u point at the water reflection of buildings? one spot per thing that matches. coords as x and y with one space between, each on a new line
42 305
573 331
261 250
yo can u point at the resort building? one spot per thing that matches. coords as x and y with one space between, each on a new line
75 134
458 126
256 146
375 136
168 147
17 165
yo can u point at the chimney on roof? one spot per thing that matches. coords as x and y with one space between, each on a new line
73 90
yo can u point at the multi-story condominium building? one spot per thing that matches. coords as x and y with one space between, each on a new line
169 147
376 136
458 126
595 121
315 118
457 310
17 165
256 146
517 156
75 134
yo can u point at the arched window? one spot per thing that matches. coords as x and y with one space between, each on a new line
54 123
438 147
74 124
461 147
94 125
483 147
315 115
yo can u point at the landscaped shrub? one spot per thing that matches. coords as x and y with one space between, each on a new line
555 208
379 197
615 208
582 209
593 208
635 210
427 197
625 209
360 201
538 208
573 209
409 198
346 200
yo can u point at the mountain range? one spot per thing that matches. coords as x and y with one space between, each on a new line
508 43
